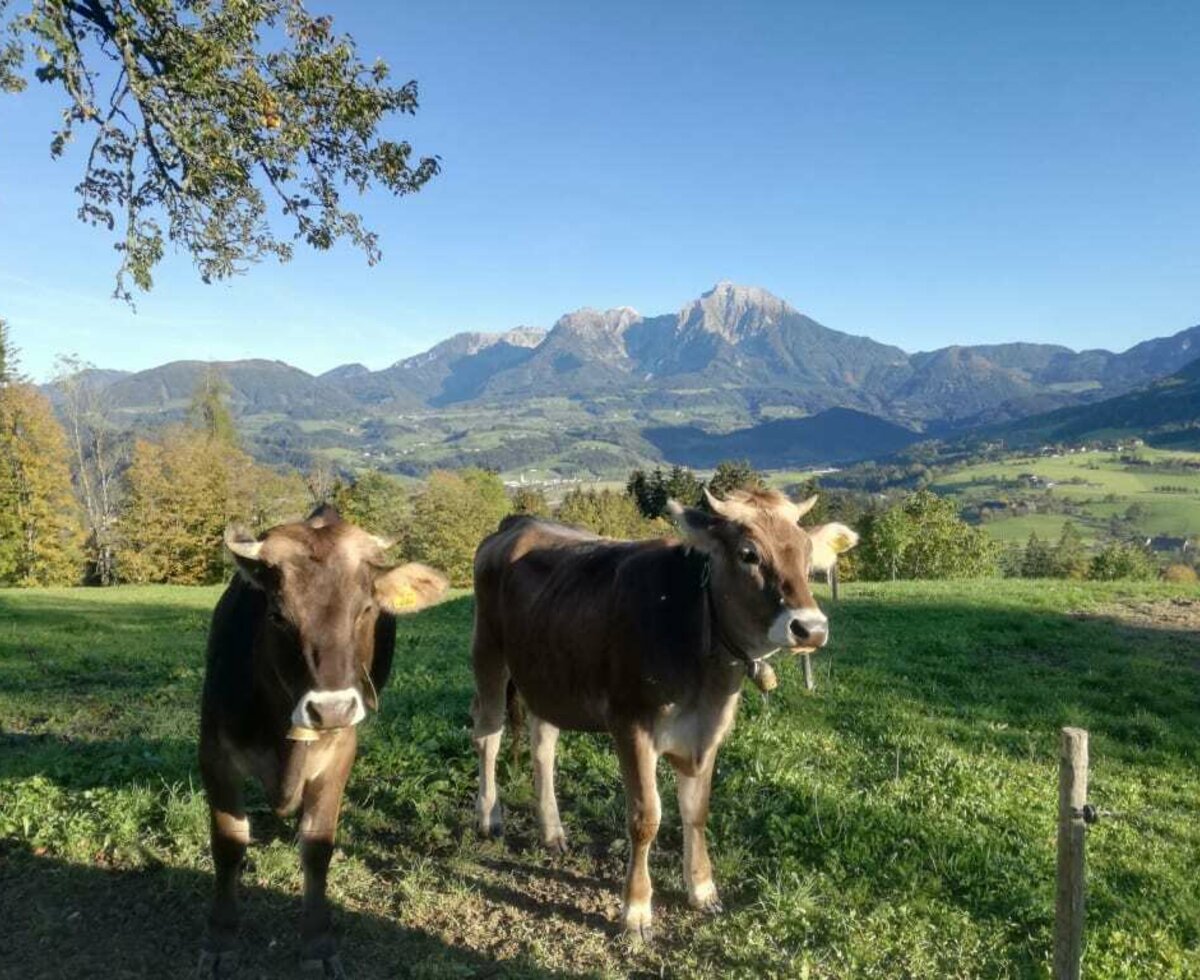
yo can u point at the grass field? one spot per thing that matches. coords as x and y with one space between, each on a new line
1098 483
898 822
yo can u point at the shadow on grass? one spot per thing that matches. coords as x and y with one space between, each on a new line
70 921
940 667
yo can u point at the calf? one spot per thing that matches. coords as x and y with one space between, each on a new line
300 646
649 641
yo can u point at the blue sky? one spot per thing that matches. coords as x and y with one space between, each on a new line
924 173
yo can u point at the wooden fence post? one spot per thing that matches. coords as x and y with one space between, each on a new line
810 682
1072 795
833 580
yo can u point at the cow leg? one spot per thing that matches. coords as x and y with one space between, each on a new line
693 786
321 802
544 738
229 832
635 750
487 710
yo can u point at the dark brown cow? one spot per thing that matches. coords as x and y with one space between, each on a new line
300 646
647 640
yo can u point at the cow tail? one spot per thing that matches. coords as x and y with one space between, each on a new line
516 718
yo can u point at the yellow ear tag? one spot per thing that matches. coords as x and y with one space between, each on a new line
404 597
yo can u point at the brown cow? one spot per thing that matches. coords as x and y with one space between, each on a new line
647 640
300 646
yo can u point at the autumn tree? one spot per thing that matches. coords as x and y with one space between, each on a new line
375 502
205 120
40 532
98 452
185 487
531 501
451 514
608 513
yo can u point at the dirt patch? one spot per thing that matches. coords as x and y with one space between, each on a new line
1180 613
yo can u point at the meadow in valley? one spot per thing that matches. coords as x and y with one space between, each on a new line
898 821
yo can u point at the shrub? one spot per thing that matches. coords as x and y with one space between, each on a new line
923 537
1179 573
611 514
451 515
1121 561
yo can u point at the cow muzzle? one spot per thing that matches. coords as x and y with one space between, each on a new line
800 630
326 710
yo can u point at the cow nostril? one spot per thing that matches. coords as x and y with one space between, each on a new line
313 712
799 630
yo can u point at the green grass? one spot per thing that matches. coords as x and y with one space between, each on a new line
898 822
1109 487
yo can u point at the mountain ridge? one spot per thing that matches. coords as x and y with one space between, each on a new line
735 359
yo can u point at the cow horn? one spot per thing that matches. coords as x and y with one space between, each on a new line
715 505
242 543
799 510
731 510
384 544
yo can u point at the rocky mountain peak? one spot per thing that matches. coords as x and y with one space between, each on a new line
733 311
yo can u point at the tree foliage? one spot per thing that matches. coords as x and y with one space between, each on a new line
375 502
451 515
923 537
98 454
1117 560
531 501
40 531
734 474
651 491
203 116
608 513
181 491
209 410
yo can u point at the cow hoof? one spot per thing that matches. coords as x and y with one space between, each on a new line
638 924
329 968
492 826
705 900
557 844
641 934
217 964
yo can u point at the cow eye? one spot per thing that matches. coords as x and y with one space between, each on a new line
748 555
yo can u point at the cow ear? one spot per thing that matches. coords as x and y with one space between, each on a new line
829 541
247 554
695 524
407 588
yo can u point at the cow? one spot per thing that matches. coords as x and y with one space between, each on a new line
649 641
300 646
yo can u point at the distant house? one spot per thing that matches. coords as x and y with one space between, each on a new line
1166 542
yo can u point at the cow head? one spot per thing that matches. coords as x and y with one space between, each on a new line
326 585
760 560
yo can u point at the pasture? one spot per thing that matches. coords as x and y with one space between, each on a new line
899 821
1089 488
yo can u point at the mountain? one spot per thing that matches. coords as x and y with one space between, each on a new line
737 371
742 349
835 436
1166 412
255 387
452 371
